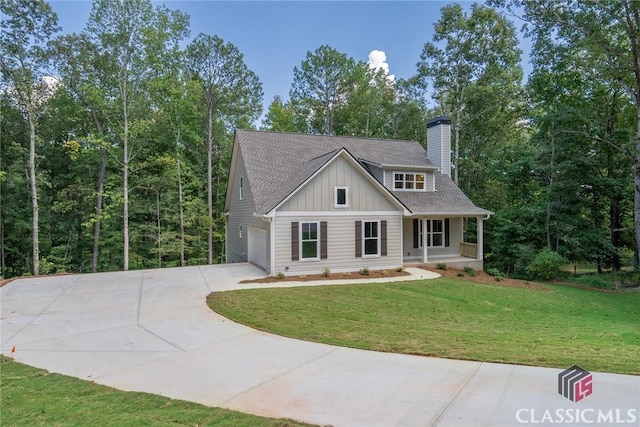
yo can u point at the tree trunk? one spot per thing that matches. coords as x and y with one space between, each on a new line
34 192
98 211
159 228
181 209
636 210
125 184
209 180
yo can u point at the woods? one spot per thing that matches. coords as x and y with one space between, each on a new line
116 142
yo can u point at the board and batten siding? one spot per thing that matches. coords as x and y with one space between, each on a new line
314 202
318 194
241 213
341 247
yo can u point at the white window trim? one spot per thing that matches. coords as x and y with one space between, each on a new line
335 197
404 181
241 188
429 234
378 238
317 257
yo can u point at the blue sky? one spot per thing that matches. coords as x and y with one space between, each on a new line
275 36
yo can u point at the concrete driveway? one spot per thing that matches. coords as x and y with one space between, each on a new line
152 331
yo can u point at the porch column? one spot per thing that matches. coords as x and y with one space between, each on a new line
480 254
425 257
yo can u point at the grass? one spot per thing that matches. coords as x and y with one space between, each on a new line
556 327
31 396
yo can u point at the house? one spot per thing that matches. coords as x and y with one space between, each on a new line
298 204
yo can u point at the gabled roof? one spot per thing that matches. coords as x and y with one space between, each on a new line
311 168
278 163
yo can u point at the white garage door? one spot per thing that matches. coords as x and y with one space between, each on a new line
258 247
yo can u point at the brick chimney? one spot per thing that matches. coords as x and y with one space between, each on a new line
439 143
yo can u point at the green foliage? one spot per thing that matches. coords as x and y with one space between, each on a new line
469 271
280 275
546 265
497 274
441 266
326 272
365 271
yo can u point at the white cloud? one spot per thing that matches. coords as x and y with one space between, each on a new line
378 61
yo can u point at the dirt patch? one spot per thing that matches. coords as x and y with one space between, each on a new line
484 278
373 274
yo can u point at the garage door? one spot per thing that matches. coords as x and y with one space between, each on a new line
258 247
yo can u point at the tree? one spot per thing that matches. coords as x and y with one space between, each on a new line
280 117
231 93
127 33
608 34
27 28
479 50
320 88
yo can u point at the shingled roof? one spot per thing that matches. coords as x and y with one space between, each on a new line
277 163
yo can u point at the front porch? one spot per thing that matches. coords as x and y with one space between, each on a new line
435 241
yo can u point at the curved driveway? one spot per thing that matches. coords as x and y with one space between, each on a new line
152 331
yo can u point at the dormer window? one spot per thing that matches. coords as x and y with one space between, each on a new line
409 181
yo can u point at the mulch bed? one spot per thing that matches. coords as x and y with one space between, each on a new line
373 274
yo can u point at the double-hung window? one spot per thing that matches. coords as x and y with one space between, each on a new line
309 241
371 238
435 233
408 181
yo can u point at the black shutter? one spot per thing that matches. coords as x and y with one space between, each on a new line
446 232
358 239
323 240
416 233
383 238
295 242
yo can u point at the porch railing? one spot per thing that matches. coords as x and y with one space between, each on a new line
469 250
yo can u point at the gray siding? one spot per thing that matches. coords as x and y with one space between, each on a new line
317 194
429 177
241 213
378 173
439 147
341 245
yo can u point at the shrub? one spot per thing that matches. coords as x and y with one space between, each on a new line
280 275
470 271
441 266
326 272
497 274
364 271
546 265
460 274
384 272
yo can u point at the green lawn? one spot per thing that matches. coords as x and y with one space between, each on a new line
30 397
452 318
